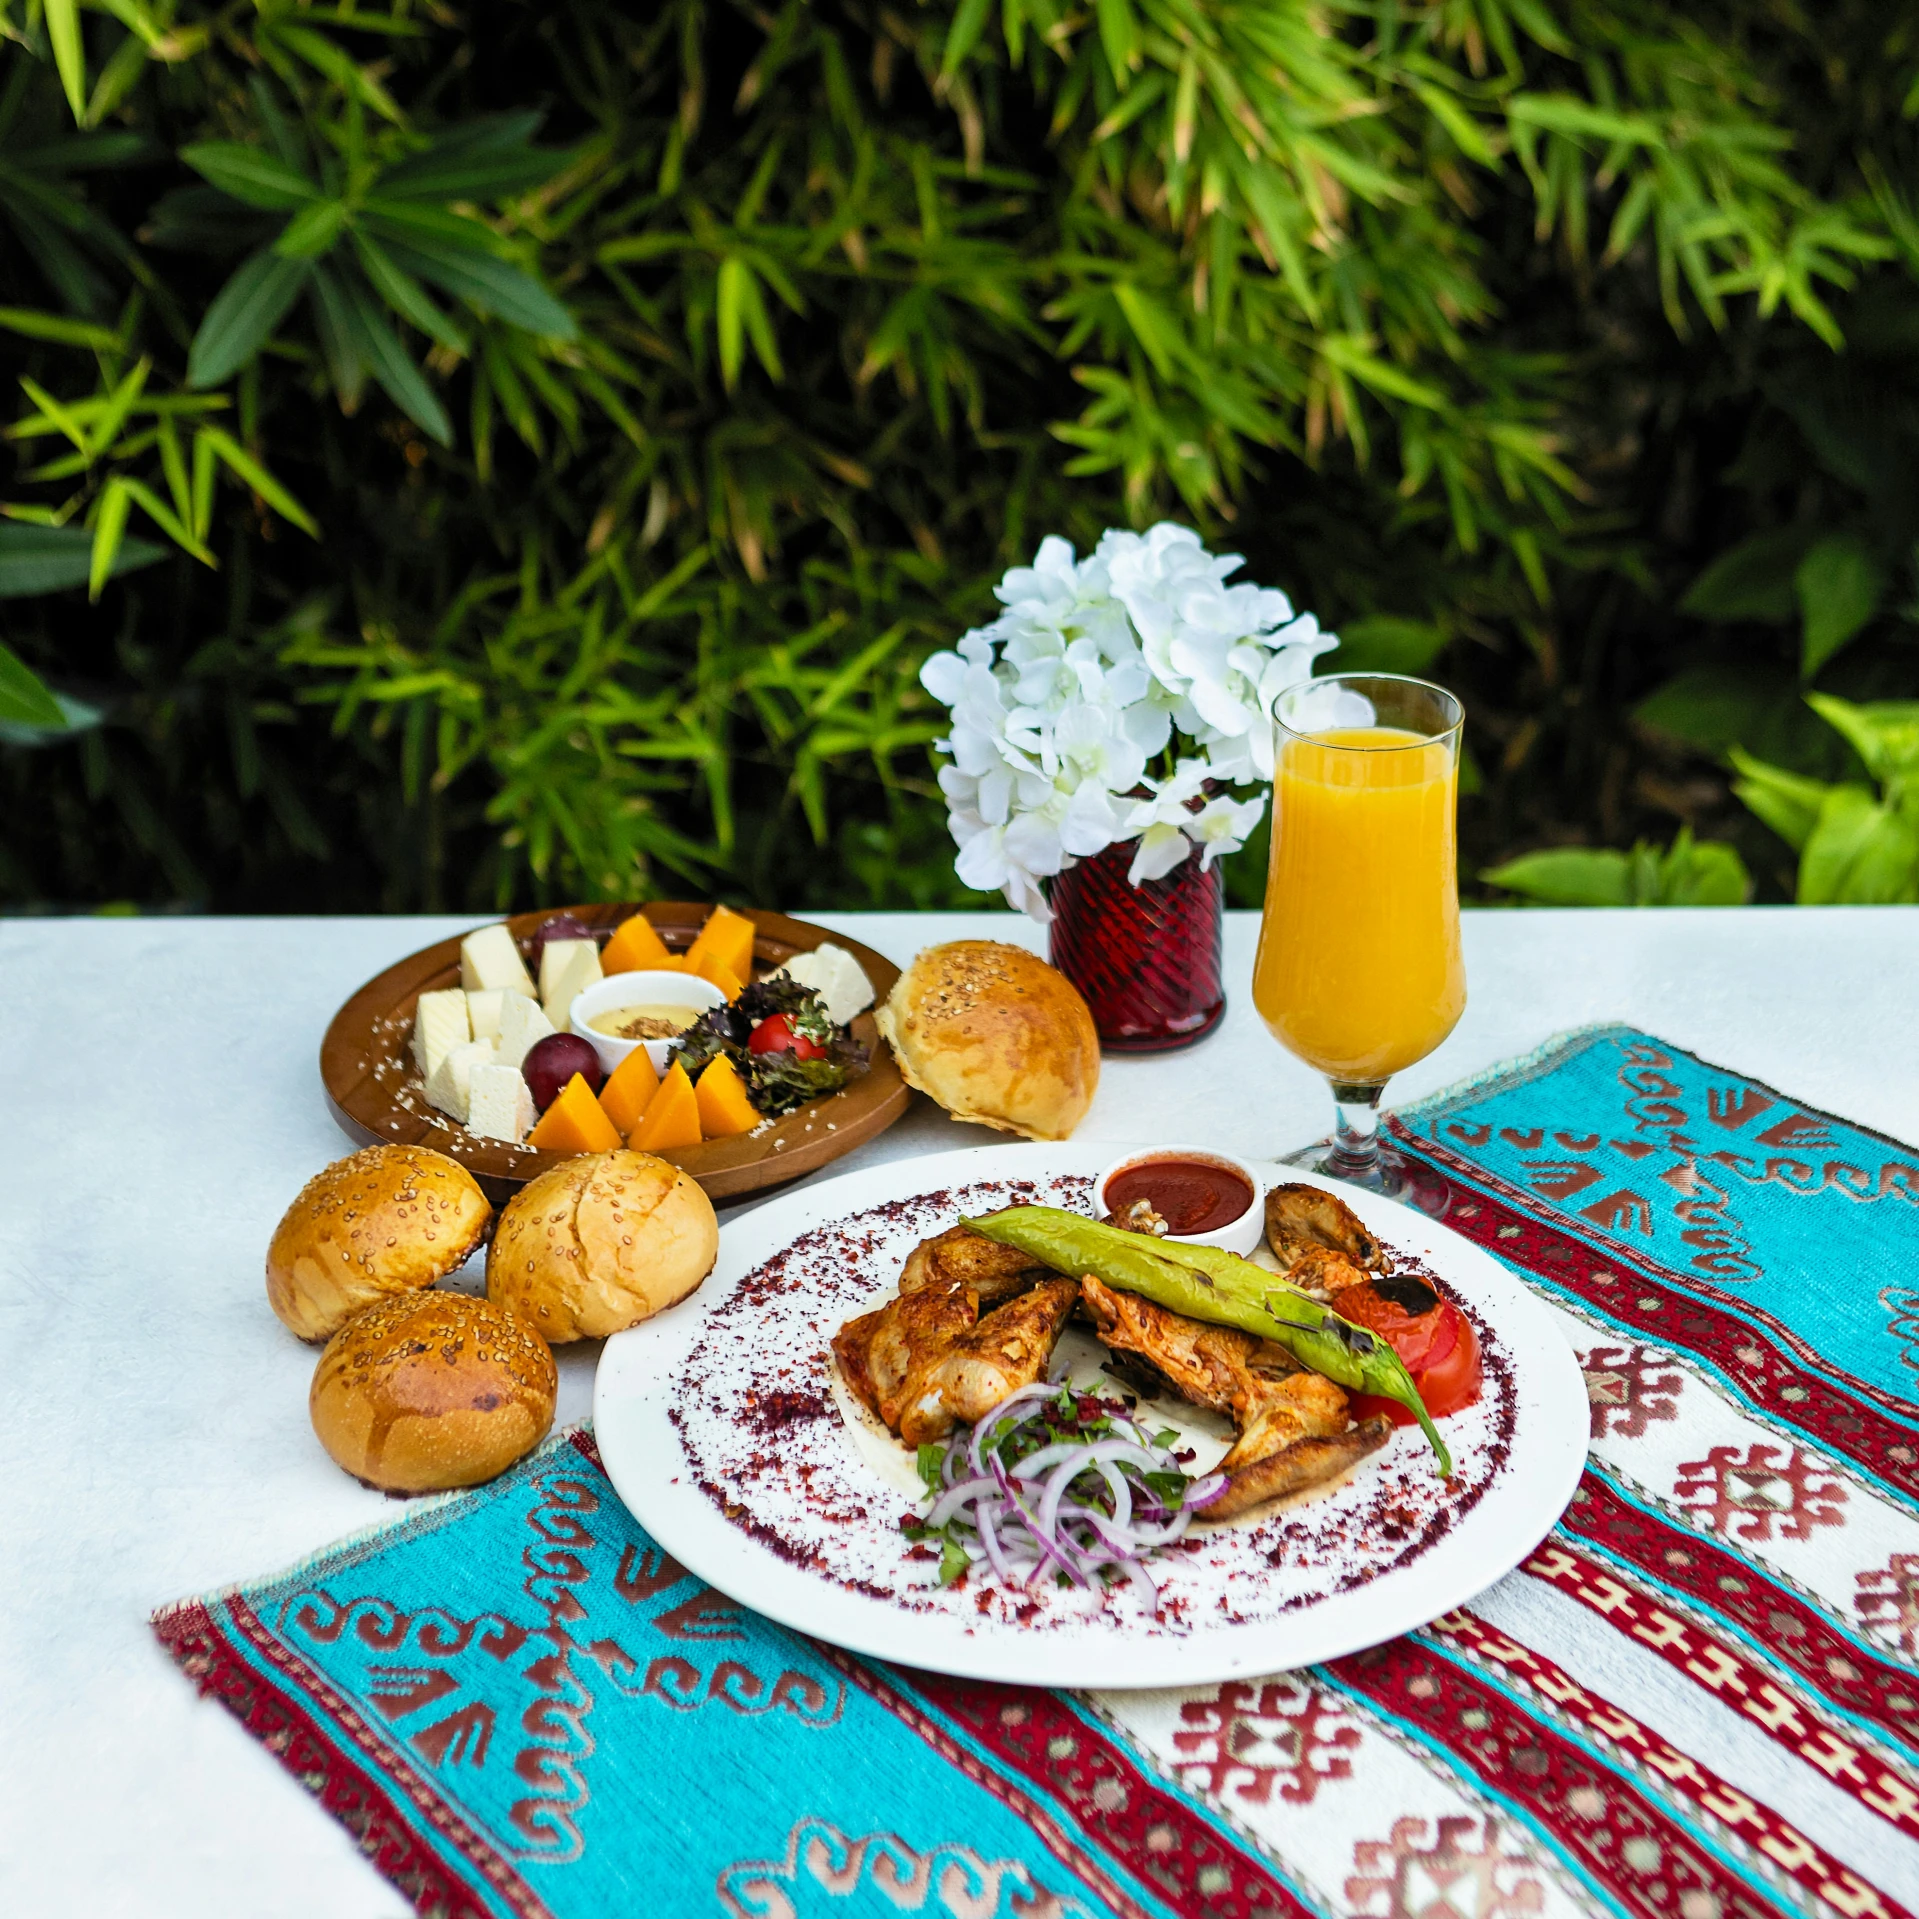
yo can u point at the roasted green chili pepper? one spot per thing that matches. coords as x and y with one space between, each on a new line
1205 1282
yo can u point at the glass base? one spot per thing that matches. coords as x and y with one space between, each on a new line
1391 1175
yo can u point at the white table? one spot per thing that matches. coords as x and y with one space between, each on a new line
160 1091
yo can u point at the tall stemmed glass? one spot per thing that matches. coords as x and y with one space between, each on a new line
1359 970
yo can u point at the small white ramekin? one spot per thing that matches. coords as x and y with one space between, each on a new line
1239 1235
638 989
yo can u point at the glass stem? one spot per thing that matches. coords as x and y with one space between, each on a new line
1355 1149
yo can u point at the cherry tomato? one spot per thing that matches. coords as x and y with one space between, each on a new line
775 1034
1437 1346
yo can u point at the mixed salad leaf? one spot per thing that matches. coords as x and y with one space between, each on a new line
801 1059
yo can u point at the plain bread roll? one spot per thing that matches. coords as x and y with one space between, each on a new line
600 1243
429 1391
994 1035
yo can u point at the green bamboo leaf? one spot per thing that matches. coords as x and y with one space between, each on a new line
312 231
389 363
49 559
963 35
1119 36
24 699
337 65
1352 356
248 470
735 276
109 523
490 284
163 516
251 175
405 295
60 330
118 404
243 315
62 19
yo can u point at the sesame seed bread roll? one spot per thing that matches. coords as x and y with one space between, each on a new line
427 1391
994 1035
601 1243
390 1219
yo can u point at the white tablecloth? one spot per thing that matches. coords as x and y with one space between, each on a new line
160 1091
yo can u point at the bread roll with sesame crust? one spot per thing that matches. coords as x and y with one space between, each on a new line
390 1219
428 1391
994 1035
601 1243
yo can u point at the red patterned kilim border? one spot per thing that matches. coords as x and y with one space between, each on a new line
1642 1296
1157 1836
1793 1631
1757 1824
357 1798
1647 1862
1724 1669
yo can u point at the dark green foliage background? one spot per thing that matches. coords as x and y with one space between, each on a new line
867 302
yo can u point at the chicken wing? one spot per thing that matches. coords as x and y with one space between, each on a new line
1295 1430
1319 1240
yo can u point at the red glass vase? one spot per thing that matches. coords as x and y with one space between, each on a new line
1146 958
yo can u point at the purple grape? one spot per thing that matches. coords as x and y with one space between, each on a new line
562 926
552 1061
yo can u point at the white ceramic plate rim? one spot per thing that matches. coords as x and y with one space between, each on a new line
646 1461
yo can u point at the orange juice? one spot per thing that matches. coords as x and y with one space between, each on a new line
1359 970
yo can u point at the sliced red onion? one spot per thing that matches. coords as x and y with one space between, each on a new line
1082 1511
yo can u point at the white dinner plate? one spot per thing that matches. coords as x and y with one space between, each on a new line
725 1430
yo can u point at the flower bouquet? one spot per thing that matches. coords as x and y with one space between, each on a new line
1105 728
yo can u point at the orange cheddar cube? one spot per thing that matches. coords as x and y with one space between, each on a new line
725 1108
635 948
727 937
715 974
672 1116
632 1083
574 1123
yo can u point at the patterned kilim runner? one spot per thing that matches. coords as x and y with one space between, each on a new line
1699 1697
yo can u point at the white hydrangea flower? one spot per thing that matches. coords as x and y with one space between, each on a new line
1091 671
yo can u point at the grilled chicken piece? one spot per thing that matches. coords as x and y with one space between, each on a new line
1299 1467
1318 1270
1008 1349
880 1351
1304 1223
1294 1428
926 1360
994 1272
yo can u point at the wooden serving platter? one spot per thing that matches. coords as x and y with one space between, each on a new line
375 1091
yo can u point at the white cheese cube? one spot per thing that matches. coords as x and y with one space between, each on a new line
450 1087
499 1106
483 1009
555 957
490 961
439 1024
522 1024
579 971
837 977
